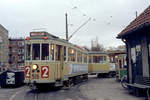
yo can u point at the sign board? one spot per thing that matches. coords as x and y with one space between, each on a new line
10 78
37 33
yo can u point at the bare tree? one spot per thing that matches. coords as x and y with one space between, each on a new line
95 46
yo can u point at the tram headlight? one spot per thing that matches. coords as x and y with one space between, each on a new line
35 67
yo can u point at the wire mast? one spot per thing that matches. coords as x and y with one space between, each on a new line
66 26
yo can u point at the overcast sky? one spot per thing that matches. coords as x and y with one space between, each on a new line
109 17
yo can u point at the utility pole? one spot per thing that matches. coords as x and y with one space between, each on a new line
136 13
66 27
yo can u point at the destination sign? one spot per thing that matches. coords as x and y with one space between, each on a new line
37 33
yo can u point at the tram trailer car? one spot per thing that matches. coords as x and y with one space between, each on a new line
51 61
99 65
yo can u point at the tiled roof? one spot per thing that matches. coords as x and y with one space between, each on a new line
142 19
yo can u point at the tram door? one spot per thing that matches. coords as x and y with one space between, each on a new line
59 57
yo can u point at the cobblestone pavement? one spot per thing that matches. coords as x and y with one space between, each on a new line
93 89
106 89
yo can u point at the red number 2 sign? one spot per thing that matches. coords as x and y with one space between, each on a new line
44 71
27 71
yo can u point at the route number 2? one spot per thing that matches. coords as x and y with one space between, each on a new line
27 71
44 71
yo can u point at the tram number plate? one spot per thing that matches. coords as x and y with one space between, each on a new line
27 71
35 76
44 71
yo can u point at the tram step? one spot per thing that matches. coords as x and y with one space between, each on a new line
59 83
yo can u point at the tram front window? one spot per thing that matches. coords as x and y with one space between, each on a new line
99 59
45 51
36 52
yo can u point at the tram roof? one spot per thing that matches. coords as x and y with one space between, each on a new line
94 52
42 34
141 22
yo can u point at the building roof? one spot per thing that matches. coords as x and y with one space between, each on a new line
140 22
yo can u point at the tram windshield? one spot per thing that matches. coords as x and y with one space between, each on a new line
33 51
45 51
36 52
99 59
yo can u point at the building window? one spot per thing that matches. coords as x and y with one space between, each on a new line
133 55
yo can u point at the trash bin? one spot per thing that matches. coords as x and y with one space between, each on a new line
11 79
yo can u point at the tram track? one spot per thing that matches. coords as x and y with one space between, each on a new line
74 93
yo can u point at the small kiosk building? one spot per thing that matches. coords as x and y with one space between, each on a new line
136 36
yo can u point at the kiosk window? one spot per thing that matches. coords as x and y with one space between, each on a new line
133 55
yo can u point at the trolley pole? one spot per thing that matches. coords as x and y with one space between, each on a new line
66 27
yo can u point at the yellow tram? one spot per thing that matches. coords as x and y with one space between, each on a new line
99 64
51 61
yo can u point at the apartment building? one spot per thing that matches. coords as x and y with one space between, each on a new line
3 48
17 53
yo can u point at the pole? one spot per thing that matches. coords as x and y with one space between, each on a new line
66 27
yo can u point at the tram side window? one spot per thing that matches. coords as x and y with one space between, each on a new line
28 53
85 58
99 59
71 54
79 57
58 51
90 59
36 52
65 53
104 59
45 51
52 51
95 59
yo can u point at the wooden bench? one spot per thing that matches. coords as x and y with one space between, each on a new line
141 83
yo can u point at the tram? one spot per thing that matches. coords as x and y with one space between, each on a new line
51 61
99 64
121 66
